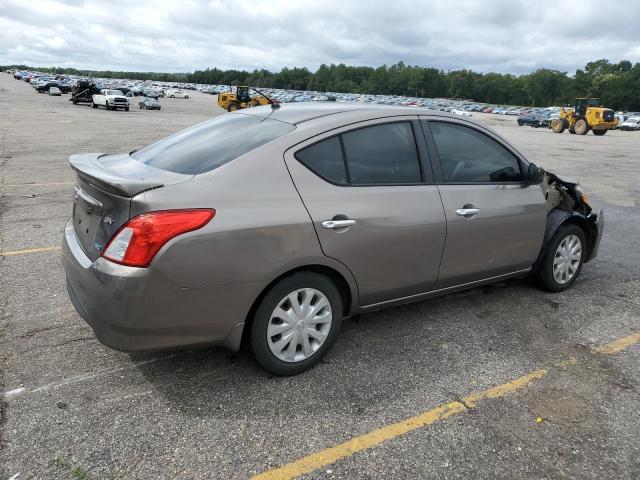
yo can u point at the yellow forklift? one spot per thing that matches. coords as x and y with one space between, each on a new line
586 115
241 98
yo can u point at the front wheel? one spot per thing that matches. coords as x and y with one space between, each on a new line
296 323
563 260
558 125
186 96
581 127
107 106
519 123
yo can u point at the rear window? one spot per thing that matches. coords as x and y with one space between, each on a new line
211 144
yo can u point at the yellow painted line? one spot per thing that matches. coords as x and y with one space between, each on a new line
38 184
376 437
29 250
618 345
357 444
504 389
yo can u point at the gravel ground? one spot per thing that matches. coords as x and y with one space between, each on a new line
76 409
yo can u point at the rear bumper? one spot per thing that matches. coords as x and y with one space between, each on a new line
139 309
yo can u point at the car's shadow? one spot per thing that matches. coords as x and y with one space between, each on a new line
379 357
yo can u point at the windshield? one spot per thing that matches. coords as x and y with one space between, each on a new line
211 144
113 92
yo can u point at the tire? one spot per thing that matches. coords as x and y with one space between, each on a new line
126 109
536 124
74 101
519 123
107 106
233 106
599 132
141 105
306 283
545 274
93 105
186 96
581 127
172 96
557 125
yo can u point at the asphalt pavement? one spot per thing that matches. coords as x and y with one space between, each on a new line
504 381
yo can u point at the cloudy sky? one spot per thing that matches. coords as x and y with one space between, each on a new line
513 36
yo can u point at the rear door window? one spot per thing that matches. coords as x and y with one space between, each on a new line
382 154
467 155
211 144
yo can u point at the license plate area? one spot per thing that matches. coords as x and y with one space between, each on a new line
87 215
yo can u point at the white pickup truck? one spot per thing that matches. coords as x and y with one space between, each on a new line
110 99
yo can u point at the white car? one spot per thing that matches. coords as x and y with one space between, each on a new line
110 99
176 94
631 123
458 111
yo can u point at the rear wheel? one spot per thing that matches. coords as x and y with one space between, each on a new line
557 125
107 106
599 132
581 127
562 262
233 106
186 96
296 323
519 122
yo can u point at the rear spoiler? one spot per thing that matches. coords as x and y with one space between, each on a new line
120 174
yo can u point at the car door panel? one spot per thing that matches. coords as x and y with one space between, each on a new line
395 245
505 236
505 230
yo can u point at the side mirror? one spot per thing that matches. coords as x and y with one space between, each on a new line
533 175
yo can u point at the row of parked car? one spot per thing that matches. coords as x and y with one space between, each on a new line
152 91
111 94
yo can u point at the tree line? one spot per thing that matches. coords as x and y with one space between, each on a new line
616 84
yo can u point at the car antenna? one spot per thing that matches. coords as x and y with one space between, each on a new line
274 105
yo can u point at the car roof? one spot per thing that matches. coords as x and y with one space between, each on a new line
300 112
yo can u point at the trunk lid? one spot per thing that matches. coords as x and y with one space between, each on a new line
104 188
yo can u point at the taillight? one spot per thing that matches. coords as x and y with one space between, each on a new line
138 241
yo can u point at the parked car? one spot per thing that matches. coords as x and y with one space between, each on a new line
458 111
55 91
631 123
176 94
171 246
148 103
151 93
534 119
43 87
110 99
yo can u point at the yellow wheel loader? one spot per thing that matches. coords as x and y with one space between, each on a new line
241 98
586 115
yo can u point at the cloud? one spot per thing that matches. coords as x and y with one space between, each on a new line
513 36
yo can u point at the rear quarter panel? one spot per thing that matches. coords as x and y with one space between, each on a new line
261 229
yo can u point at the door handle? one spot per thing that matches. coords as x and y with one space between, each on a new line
467 212
338 224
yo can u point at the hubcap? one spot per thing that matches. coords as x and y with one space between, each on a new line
299 325
567 259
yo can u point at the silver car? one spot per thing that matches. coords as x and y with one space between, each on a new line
270 225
